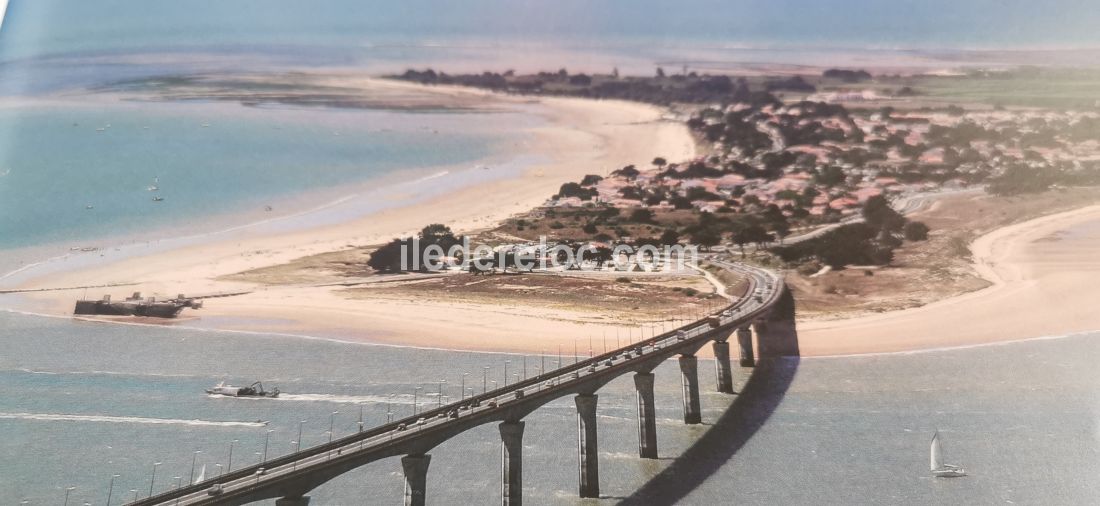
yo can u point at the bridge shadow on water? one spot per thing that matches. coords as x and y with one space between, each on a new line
758 399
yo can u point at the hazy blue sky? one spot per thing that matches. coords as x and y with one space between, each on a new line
51 26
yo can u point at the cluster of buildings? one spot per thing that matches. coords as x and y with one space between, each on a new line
892 153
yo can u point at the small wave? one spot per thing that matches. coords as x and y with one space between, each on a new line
347 399
430 177
103 373
53 417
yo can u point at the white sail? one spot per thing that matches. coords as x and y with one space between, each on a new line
202 474
936 453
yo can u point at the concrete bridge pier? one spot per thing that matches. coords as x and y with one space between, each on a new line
511 463
776 334
588 456
744 343
293 501
722 368
416 478
647 416
689 371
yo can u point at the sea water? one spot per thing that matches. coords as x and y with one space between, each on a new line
82 401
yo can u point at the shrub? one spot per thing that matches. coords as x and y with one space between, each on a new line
959 247
622 279
916 231
642 215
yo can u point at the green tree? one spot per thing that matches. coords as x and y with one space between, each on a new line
388 257
642 215
878 213
916 231
670 237
438 234
706 238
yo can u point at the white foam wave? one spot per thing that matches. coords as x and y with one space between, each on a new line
347 399
956 347
430 177
55 417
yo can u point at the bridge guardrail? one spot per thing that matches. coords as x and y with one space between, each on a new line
692 330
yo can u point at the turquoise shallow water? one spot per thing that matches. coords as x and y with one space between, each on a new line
58 160
77 402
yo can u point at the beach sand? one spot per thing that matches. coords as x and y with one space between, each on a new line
580 137
1043 277
1044 274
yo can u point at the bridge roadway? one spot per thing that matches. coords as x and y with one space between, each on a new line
289 478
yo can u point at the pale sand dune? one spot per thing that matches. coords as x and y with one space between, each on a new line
1045 283
582 137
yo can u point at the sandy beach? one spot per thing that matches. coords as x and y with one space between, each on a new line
580 137
1044 275
1042 271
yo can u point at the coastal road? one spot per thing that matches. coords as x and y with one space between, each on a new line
906 205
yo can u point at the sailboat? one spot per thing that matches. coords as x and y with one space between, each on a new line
939 469
202 475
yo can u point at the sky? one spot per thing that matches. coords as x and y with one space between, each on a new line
42 27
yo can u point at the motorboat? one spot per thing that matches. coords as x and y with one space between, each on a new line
254 390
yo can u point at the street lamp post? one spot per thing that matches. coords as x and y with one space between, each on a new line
135 494
229 464
267 440
221 469
68 490
464 384
439 400
193 457
152 479
299 441
506 362
484 379
416 397
111 488
332 424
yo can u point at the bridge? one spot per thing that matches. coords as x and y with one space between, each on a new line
766 308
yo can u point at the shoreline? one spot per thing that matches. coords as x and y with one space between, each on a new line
581 136
1040 289
578 137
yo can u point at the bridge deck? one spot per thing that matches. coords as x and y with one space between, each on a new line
299 472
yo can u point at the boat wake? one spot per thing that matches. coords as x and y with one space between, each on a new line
347 399
52 417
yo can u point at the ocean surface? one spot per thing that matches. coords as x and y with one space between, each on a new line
82 401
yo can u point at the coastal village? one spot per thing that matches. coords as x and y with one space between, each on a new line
773 169
811 174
